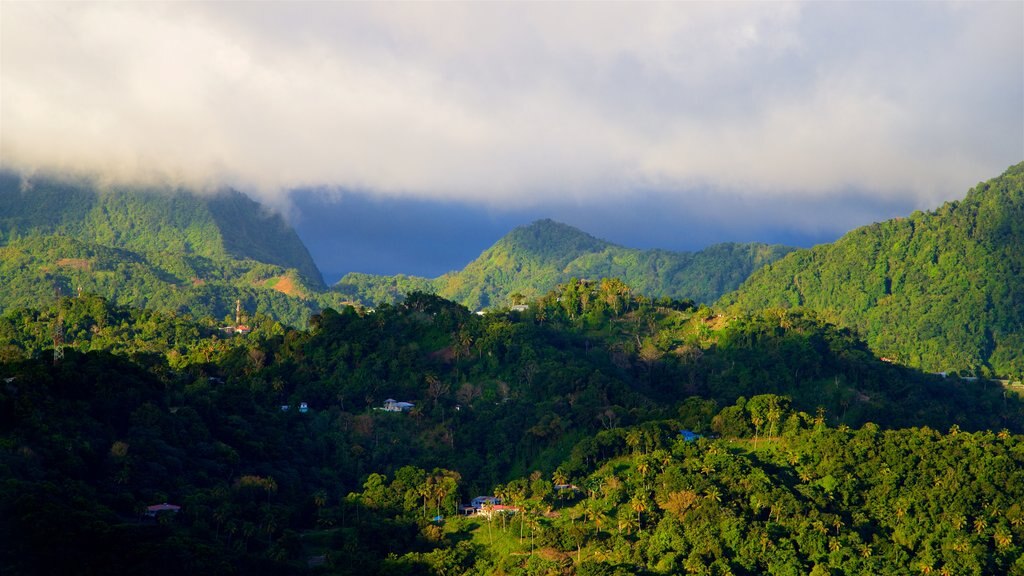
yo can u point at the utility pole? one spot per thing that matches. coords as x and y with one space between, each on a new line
58 340
58 332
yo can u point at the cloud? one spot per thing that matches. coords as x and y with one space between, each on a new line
512 105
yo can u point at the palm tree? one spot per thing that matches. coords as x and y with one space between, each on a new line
450 483
1003 538
270 523
958 521
319 499
819 526
221 515
611 486
502 493
593 513
1015 516
626 520
578 534
643 468
534 526
633 439
598 517
756 421
425 490
230 529
713 493
837 522
774 415
639 505
559 478
248 531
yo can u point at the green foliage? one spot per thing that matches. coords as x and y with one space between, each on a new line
163 249
942 291
823 460
532 260
569 410
817 500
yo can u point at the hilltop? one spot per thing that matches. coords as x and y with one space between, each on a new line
530 260
168 249
941 290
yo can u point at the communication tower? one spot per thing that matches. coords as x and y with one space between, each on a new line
58 339
58 330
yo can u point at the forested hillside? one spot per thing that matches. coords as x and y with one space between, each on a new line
940 290
622 433
533 259
163 249
592 381
149 221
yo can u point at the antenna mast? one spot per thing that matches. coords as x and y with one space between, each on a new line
58 333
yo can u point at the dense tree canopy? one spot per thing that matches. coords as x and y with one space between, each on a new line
533 259
614 432
161 249
942 291
569 411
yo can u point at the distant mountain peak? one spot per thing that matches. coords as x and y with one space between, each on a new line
550 241
534 258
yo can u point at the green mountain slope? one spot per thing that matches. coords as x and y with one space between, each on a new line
164 249
149 407
533 259
223 225
941 290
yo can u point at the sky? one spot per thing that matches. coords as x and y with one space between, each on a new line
408 137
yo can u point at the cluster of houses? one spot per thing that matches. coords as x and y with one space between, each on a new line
390 405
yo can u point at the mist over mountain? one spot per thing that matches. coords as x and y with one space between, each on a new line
571 335
533 259
163 248
223 224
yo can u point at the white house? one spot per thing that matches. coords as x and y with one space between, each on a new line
480 501
392 405
165 508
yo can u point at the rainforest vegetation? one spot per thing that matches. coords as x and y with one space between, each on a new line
179 393
531 260
815 455
940 290
162 249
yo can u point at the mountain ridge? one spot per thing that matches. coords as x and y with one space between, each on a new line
534 258
224 223
940 290
164 248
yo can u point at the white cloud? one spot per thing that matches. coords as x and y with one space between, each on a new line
511 104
